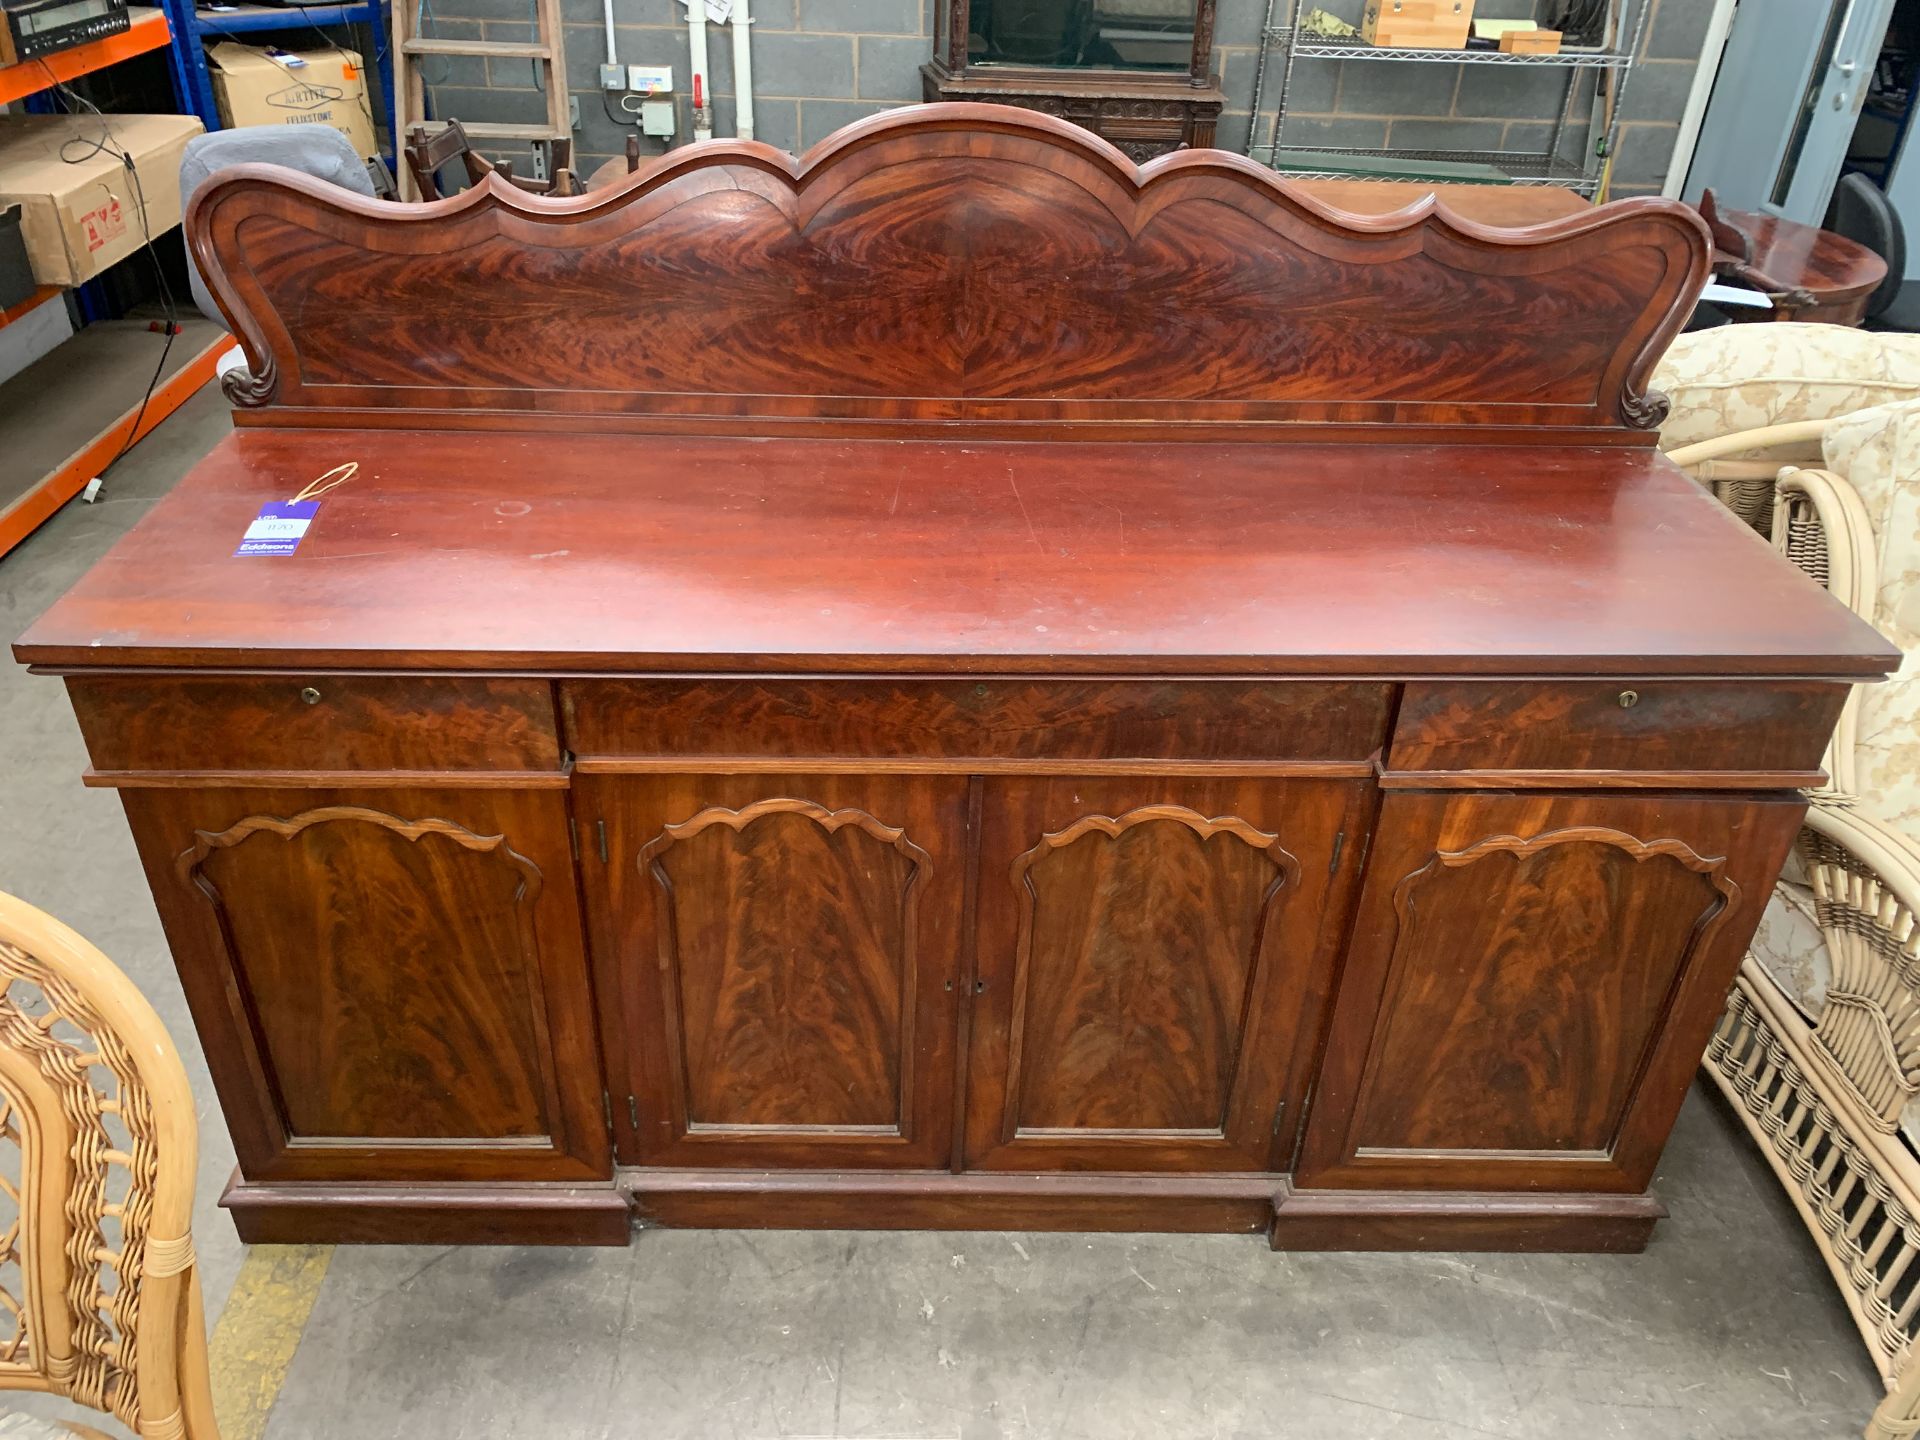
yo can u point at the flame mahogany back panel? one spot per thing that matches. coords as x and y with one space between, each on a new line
751 786
955 263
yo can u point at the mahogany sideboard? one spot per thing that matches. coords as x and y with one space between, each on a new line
954 681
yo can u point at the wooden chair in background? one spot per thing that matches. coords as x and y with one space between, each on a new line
427 153
612 172
99 1294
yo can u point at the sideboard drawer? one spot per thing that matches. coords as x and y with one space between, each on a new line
1013 719
316 722
1672 726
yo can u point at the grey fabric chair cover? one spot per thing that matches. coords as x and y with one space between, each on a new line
316 150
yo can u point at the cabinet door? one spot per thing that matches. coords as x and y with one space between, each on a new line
1531 983
390 984
785 953
1154 959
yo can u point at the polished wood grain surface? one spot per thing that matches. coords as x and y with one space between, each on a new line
317 722
1463 1221
1530 985
1138 939
1607 926
1504 205
1679 726
497 551
835 1200
391 985
969 720
1153 957
1827 277
775 1033
359 1047
266 1213
779 959
969 264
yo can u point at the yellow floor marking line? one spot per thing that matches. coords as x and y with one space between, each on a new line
259 1330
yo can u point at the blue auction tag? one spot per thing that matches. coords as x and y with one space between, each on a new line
278 528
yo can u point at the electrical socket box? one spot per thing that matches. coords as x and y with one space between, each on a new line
613 77
656 118
650 79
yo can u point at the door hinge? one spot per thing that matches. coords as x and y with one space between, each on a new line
1278 1116
633 1113
600 830
606 1104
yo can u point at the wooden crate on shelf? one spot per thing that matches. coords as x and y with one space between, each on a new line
1530 42
1417 24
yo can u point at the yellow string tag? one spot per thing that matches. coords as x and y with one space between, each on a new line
282 524
335 477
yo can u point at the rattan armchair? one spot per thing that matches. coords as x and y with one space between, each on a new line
1825 1074
99 1297
1748 399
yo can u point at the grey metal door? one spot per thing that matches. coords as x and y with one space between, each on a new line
1785 103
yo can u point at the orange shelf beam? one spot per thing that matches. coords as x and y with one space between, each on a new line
147 32
33 302
26 514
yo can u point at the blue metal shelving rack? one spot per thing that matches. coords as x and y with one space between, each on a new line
192 25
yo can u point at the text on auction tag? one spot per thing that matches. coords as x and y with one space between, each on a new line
278 528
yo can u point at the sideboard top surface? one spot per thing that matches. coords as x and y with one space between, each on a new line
524 551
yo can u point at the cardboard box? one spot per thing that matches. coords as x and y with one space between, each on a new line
1417 24
328 87
79 208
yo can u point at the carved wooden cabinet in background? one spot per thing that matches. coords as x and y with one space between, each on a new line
965 684
1138 73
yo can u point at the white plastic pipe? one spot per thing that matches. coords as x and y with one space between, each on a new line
613 57
742 72
702 84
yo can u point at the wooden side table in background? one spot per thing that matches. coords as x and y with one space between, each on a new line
1808 273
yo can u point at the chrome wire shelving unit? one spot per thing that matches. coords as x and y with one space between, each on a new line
1282 43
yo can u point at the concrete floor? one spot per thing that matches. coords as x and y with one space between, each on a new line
1727 1327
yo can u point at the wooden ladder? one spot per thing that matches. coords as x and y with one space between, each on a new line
548 52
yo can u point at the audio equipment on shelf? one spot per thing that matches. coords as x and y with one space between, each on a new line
40 27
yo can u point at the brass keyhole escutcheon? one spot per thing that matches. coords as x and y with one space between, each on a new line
312 696
1629 699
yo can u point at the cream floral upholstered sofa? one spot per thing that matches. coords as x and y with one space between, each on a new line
1812 434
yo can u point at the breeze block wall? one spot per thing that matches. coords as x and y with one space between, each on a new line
820 64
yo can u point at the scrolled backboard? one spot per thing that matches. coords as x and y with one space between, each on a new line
938 268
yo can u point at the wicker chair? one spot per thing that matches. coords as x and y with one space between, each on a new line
99 1299
1748 399
1819 1049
